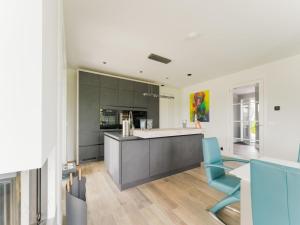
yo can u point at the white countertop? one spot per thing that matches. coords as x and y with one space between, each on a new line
243 172
156 133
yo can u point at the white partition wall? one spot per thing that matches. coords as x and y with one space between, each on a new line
281 83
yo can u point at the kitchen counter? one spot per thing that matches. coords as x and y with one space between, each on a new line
155 133
133 160
119 137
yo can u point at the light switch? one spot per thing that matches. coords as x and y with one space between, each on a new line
277 108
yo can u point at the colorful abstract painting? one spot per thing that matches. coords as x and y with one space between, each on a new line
199 106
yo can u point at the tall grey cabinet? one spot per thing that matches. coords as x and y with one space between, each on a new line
89 133
101 91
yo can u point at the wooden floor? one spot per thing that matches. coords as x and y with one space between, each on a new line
180 199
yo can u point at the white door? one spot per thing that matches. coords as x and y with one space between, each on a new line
246 119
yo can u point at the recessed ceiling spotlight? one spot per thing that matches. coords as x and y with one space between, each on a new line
104 62
162 85
141 71
189 74
167 78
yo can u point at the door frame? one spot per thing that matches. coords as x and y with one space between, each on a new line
261 114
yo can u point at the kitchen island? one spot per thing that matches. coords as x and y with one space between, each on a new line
151 154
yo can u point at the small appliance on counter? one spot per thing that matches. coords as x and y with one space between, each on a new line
149 124
143 124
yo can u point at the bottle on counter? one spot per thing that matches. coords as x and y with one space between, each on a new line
184 124
125 128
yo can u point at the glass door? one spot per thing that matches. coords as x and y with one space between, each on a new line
246 108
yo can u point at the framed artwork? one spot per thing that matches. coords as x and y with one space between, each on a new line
199 106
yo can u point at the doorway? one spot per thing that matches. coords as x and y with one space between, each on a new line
246 120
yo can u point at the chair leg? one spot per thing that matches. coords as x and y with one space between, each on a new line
223 203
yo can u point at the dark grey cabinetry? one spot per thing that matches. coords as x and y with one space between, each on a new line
135 161
99 91
89 107
125 93
153 107
109 91
174 153
161 157
89 153
89 132
140 101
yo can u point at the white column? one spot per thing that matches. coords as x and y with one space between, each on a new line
25 198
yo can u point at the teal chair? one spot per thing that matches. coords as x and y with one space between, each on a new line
217 177
275 194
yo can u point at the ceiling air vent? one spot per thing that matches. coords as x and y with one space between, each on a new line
159 58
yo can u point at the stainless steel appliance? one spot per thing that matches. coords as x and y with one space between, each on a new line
111 119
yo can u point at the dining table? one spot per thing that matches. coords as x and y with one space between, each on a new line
243 172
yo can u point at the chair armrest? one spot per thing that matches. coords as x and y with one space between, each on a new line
235 160
218 166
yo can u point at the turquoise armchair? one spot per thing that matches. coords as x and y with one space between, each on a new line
275 194
217 177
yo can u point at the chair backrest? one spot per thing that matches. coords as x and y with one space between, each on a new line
293 182
275 194
212 155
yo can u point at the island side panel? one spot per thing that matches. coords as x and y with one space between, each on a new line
187 151
112 158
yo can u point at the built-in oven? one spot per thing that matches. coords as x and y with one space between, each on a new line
110 119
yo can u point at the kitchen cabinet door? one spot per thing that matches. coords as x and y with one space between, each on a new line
89 153
88 107
125 98
160 156
135 161
153 107
192 149
108 96
140 101
125 93
89 78
109 82
89 137
109 91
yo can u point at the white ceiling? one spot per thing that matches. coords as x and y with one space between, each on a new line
208 38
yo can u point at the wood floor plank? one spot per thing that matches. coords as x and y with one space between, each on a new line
181 199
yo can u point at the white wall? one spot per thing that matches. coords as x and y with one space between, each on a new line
28 83
281 86
169 109
31 84
20 85
71 114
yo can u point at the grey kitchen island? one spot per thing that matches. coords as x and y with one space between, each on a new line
134 160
